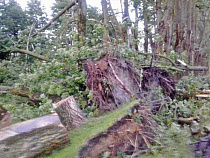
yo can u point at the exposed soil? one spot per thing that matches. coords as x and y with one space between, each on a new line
132 133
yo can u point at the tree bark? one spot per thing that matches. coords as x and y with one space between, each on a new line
82 20
158 11
126 20
5 117
135 32
70 115
146 30
33 138
105 21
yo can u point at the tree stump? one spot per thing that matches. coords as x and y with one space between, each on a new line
69 113
5 117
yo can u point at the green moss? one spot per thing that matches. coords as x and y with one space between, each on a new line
93 127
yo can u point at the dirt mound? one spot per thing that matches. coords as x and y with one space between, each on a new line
132 133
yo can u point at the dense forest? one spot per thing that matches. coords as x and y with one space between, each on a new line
147 62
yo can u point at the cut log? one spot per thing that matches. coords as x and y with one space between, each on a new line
69 113
33 138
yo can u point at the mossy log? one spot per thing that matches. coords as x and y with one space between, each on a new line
33 138
69 113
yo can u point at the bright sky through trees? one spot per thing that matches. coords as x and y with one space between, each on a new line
95 3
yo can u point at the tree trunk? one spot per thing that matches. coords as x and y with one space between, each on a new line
135 32
158 11
82 20
146 31
126 20
70 115
105 21
33 138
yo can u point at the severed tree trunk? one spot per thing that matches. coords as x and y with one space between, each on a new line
33 138
69 113
5 117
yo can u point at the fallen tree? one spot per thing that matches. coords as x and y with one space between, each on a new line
33 138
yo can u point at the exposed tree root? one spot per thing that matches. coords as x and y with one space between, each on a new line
114 81
132 133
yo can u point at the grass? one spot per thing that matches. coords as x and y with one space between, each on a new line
94 126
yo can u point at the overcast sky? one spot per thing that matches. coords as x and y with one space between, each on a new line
48 4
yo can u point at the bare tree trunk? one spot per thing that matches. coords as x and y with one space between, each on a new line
135 32
158 11
126 20
146 31
105 21
82 20
188 36
70 115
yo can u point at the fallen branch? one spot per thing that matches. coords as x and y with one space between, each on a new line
28 53
193 68
176 67
22 94
185 120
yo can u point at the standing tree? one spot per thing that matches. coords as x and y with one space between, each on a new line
12 20
81 24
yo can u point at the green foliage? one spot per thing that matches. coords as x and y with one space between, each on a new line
193 84
22 111
175 140
10 70
35 14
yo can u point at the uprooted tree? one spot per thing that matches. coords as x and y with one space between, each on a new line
114 81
